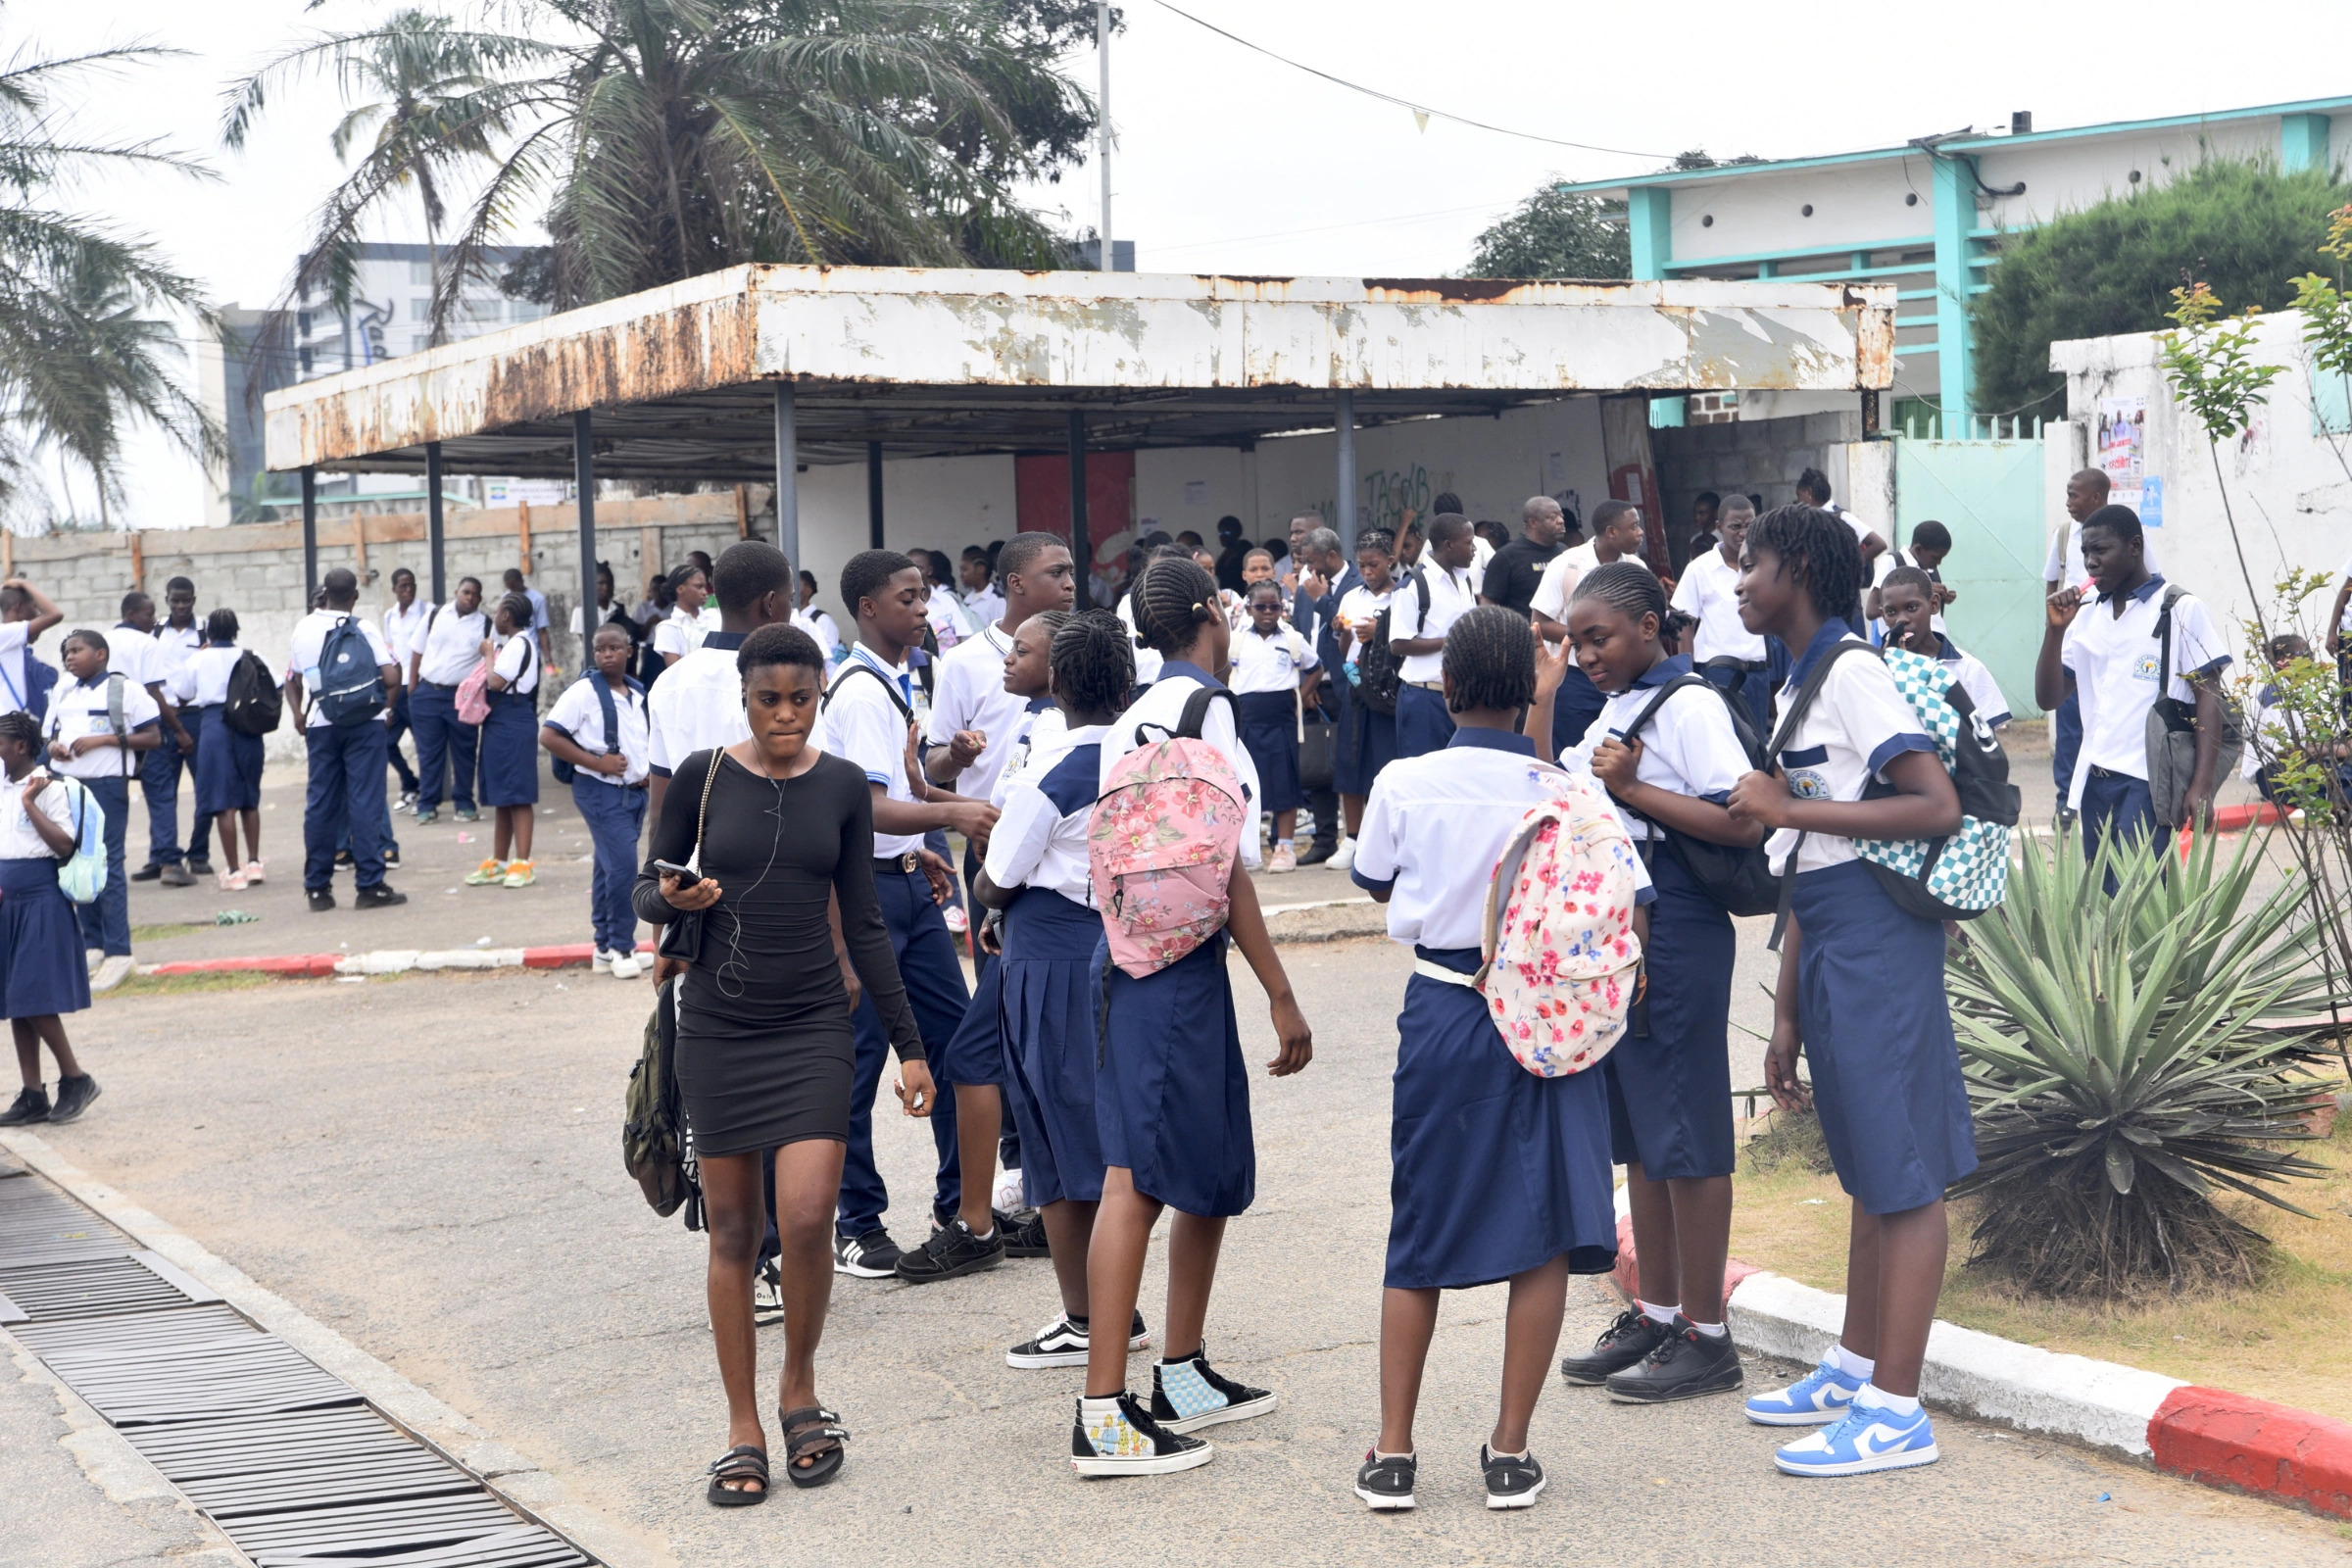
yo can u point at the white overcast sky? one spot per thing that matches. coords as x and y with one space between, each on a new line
1230 162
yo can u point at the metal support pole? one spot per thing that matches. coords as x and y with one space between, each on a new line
1102 128
1082 545
873 496
1344 424
309 536
583 473
788 480
435 538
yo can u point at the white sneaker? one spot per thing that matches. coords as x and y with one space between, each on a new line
625 966
600 963
112 973
957 922
91 959
1343 856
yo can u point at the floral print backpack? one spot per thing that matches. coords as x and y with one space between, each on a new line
1162 843
1562 964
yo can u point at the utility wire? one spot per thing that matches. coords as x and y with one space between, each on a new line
1422 110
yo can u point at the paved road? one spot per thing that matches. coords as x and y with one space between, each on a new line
428 1165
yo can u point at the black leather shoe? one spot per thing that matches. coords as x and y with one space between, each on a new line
1319 851
321 900
1621 1344
1686 1364
379 896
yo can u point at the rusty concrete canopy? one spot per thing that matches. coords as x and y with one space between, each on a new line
935 362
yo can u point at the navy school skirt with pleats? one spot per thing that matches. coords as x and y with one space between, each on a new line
229 769
1269 727
1172 1094
41 968
1670 1090
1048 987
510 750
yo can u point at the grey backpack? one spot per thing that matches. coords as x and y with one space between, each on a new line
2172 730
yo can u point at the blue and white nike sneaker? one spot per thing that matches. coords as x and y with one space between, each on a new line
1821 1395
1865 1441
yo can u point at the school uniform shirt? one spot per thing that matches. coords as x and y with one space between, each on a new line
517 665
1041 739
861 724
203 682
80 708
1434 828
680 633
1983 692
1162 709
1857 725
132 652
1147 659
986 607
819 626
969 693
2065 565
172 646
1709 590
1040 839
1688 748
18 839
1451 595
2266 741
310 640
402 628
580 715
1360 608
14 650
1560 578
1268 663
948 623
538 608
603 612
696 705
1888 561
451 646
2116 662
1481 553
1861 530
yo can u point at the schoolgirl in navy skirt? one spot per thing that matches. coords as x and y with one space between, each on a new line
1274 672
1860 994
1498 1174
1367 742
509 745
228 762
42 974
1665 749
1172 1091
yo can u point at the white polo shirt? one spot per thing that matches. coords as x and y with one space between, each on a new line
451 646
203 682
174 645
987 607
1561 576
310 640
133 653
402 628
861 724
696 705
1040 840
1688 748
1983 692
969 693
517 663
1436 826
2116 660
78 709
1358 607
1268 663
1040 738
679 633
1451 595
820 626
1147 659
1161 709
1710 591
18 839
1857 725
580 715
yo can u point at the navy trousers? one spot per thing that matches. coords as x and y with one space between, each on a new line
2066 743
200 824
443 746
106 923
2117 806
346 796
934 979
1423 725
400 727
158 781
614 818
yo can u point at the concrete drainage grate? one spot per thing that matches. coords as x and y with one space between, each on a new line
287 1460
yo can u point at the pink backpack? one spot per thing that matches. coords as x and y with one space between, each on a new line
1562 964
473 695
1163 841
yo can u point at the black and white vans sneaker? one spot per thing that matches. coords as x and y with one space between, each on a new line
1063 1343
949 1254
1387 1485
1189 1395
1119 1438
767 1295
1510 1482
871 1257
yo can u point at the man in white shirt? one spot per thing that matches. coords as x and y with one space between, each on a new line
444 652
816 624
1439 593
1618 534
404 623
1725 650
346 761
2086 492
696 705
100 722
1813 490
517 583
2112 654
139 656
26 612
176 640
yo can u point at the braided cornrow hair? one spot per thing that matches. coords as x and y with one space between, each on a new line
1172 598
1632 590
1383 539
1490 660
1092 660
1819 549
18 726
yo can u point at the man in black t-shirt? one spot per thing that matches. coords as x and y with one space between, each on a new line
1518 566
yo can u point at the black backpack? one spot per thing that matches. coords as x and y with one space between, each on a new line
655 1144
1740 879
255 704
564 772
351 684
1380 674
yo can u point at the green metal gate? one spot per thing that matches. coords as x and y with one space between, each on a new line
1990 495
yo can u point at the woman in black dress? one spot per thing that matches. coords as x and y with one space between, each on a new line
764 1056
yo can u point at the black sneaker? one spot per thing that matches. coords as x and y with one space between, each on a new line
1621 1344
1189 1395
1315 855
177 875
148 873
344 857
321 899
950 1253
392 859
767 1295
1024 1234
1387 1485
379 896
199 868
1129 1441
871 1257
30 1105
1685 1365
1510 1482
1064 1341
74 1097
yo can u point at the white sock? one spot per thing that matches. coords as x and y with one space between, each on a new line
982 1236
1493 1453
1713 1331
1853 1365
1407 1454
1874 1398
1094 1410
1655 1314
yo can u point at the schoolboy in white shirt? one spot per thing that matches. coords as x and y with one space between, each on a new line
602 734
1907 600
1273 679
1723 648
346 761
444 652
98 727
1439 593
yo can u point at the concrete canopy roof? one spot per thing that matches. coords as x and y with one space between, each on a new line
945 362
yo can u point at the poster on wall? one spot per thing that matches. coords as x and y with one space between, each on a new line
2123 447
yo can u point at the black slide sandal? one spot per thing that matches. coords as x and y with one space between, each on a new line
806 1430
742 1462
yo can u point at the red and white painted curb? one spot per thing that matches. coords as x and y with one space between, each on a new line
391 960
2202 1435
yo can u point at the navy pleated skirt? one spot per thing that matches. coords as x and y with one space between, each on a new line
1269 727
1670 1090
229 769
510 750
1496 1170
1172 1095
41 968
1878 1037
1367 744
1048 987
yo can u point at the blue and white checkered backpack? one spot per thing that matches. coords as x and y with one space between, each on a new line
1960 877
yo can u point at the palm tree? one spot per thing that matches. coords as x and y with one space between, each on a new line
659 139
87 346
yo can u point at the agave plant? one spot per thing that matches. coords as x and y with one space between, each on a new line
2119 1068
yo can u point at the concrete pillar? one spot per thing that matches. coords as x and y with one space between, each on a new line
788 480
1955 187
583 474
309 536
1650 223
2303 141
436 533
873 495
1082 545
1343 421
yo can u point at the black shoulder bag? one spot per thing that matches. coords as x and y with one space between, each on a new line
682 938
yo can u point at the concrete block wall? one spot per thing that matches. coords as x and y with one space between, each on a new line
1761 456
